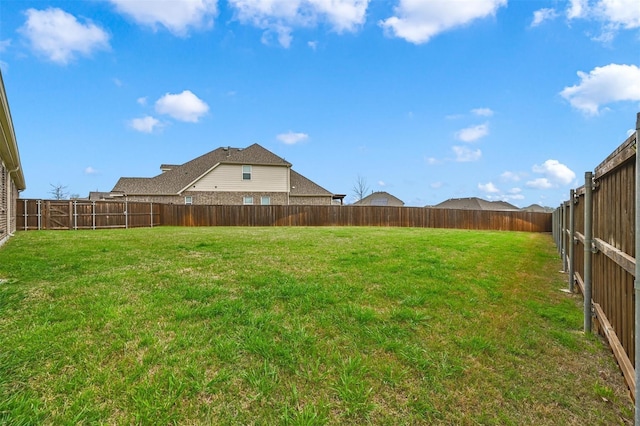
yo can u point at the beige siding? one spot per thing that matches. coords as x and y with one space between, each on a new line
4 200
228 178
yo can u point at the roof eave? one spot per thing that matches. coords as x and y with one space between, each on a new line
8 145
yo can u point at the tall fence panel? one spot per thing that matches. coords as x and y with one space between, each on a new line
80 214
77 214
612 249
196 215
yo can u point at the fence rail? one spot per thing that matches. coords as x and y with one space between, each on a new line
595 234
50 214
78 214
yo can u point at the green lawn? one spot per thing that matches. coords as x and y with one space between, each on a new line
296 326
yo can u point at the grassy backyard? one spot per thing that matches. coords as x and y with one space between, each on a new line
297 326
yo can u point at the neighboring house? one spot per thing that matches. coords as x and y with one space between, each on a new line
11 177
474 203
227 176
537 208
380 198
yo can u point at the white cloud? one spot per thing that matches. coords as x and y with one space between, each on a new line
577 9
603 85
418 21
177 16
292 138
613 14
541 15
489 188
539 183
90 171
432 161
514 191
555 173
436 185
184 106
4 44
623 13
510 176
313 45
381 183
483 112
280 17
472 134
146 124
59 36
142 100
464 154
117 82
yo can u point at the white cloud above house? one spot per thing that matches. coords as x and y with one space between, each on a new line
146 124
90 171
280 17
177 16
183 106
602 86
509 176
419 21
473 133
488 188
292 138
482 112
554 174
540 183
542 15
60 37
465 155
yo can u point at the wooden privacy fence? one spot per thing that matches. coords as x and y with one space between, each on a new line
595 234
79 214
181 215
49 214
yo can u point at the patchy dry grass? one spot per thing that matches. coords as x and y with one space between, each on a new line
296 326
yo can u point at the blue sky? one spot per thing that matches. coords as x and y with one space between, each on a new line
425 99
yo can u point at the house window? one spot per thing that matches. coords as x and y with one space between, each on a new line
246 172
188 200
247 200
265 201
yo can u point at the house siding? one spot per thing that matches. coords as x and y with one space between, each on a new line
305 201
4 199
211 198
228 178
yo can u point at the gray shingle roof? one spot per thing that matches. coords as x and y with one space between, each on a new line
301 186
379 198
173 181
474 203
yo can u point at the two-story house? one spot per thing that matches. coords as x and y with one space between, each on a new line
11 176
227 176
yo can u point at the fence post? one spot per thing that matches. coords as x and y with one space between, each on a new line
151 213
26 215
39 215
588 236
93 214
636 284
126 215
75 215
563 236
572 236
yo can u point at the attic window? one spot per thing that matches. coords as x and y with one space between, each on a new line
246 172
188 200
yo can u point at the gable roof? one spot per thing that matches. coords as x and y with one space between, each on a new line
301 186
474 203
379 198
8 146
177 178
